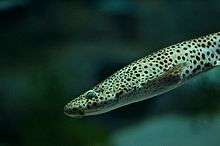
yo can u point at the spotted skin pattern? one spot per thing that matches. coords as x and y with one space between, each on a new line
147 77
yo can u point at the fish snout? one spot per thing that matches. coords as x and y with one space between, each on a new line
73 111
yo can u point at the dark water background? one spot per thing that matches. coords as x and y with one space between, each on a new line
53 50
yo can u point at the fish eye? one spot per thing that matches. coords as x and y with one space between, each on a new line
91 94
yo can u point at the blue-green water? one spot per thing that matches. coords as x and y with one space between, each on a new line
171 130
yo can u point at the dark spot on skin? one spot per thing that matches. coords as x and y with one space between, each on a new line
137 75
197 58
134 68
161 63
208 53
218 51
192 56
194 61
203 56
198 67
184 75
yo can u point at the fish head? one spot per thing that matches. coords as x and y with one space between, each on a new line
92 102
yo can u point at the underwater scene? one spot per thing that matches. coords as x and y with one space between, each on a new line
94 73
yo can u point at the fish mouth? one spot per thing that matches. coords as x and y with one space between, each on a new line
74 112
79 113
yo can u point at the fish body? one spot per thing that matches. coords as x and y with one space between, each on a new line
149 76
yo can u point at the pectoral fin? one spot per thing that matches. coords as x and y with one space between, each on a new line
171 78
173 75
